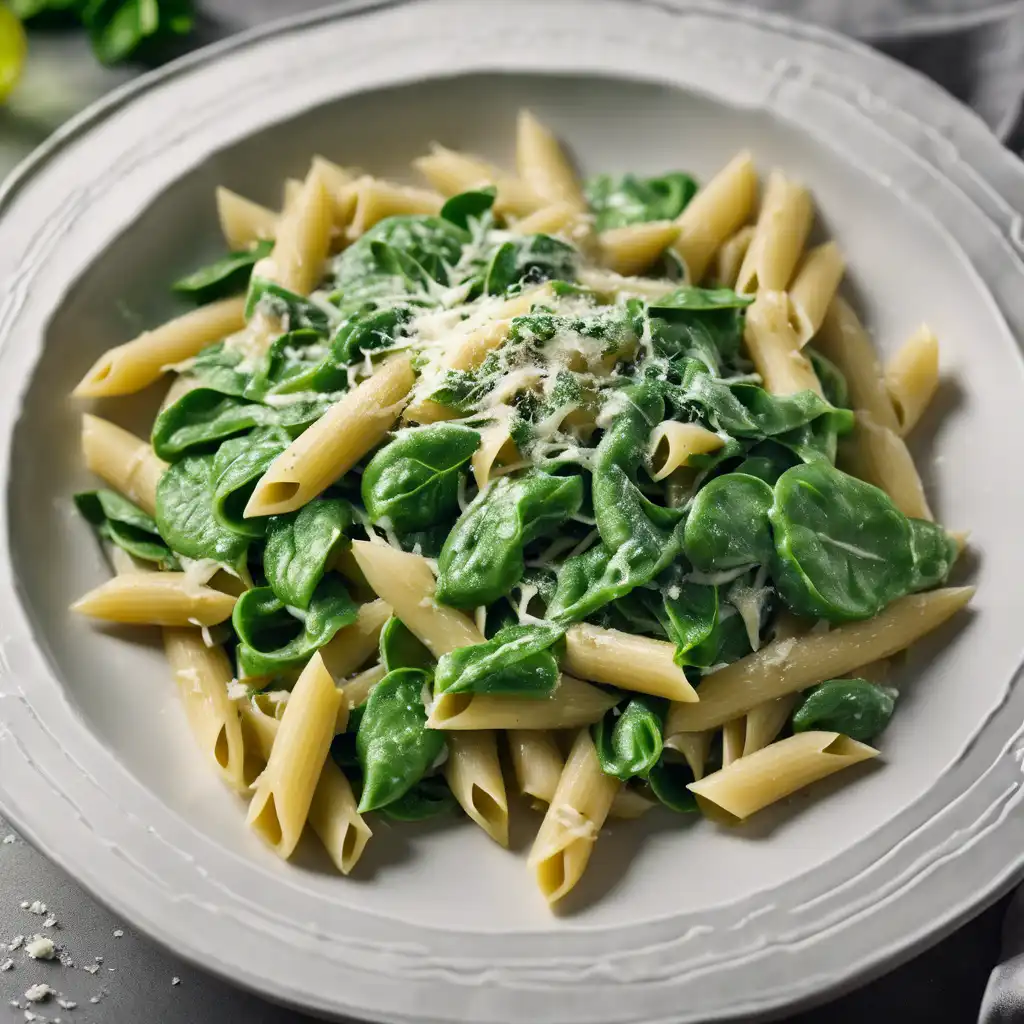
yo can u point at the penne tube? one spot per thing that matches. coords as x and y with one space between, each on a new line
156 599
406 583
813 289
629 805
560 218
202 675
303 238
774 347
718 210
543 165
634 248
573 820
792 664
474 776
735 792
496 447
782 228
631 662
610 285
765 721
243 222
334 177
451 172
694 746
536 761
571 704
912 377
360 686
843 339
733 737
136 364
335 442
332 811
283 794
880 456
351 647
290 195
124 461
729 257
376 199
673 443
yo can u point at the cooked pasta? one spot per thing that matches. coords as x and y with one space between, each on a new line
441 464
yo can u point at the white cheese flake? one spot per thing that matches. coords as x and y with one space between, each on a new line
41 948
118 932
39 993
10 839
7 965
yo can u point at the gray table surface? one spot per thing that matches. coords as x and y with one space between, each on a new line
112 974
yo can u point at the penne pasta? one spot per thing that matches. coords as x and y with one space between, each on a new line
543 165
376 199
814 288
581 803
474 775
360 686
634 248
880 456
451 172
202 675
290 195
243 223
536 761
782 228
694 746
843 339
496 446
733 737
912 377
123 460
607 283
672 443
571 704
787 666
774 347
560 218
622 659
735 792
629 805
156 599
765 721
352 646
729 257
406 583
717 211
283 794
332 811
136 364
303 238
335 442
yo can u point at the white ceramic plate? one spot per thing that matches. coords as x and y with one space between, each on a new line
673 922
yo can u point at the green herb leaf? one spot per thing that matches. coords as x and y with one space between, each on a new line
399 648
617 201
854 707
517 661
728 524
628 738
125 525
226 276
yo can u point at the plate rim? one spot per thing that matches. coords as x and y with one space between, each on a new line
990 150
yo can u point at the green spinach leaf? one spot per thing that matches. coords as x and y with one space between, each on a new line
428 798
668 780
935 553
273 637
301 547
223 277
482 559
414 481
628 738
237 468
530 260
517 661
399 648
469 205
843 550
854 707
116 519
394 745
186 518
617 201
297 310
728 524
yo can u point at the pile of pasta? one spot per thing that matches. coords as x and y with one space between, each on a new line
607 467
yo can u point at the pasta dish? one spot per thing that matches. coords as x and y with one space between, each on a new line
594 489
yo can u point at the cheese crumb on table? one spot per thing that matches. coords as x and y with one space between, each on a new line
39 993
40 948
